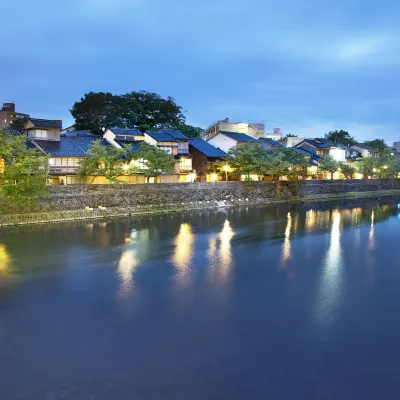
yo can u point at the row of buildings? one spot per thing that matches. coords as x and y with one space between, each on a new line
66 148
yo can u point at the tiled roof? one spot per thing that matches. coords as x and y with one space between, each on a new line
127 132
206 148
30 145
67 147
344 147
272 142
303 151
134 144
81 134
12 131
46 123
239 137
364 146
161 136
320 143
175 134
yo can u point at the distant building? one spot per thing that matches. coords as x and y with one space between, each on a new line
267 143
275 135
227 140
253 129
365 150
8 115
395 150
48 129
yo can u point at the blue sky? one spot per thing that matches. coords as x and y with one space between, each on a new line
306 66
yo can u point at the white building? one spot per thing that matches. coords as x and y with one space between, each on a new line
226 140
252 129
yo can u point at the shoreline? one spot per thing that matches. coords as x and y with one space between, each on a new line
83 214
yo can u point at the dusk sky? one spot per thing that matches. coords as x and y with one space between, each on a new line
305 66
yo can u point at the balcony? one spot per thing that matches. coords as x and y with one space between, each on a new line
54 170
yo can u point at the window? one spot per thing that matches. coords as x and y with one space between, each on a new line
38 133
185 164
166 149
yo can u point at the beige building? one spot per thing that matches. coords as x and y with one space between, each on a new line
253 129
8 115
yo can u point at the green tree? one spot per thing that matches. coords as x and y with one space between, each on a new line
380 145
328 164
298 163
189 130
247 158
152 161
387 168
105 161
366 166
97 111
347 170
340 137
23 171
147 111
19 123
224 168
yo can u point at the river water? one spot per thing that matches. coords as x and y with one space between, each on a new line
280 302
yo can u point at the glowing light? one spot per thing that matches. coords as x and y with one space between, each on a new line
385 167
214 177
226 236
287 247
373 169
125 167
126 266
5 261
183 248
227 168
371 243
191 177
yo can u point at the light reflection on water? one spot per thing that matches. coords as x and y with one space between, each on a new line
331 281
286 247
371 242
5 261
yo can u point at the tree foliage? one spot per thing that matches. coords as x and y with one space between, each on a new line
380 145
328 164
19 123
23 171
105 161
347 170
152 161
189 130
340 137
143 110
366 166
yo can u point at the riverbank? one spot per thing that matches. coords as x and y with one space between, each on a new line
127 211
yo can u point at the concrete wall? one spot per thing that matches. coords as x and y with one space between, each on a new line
79 196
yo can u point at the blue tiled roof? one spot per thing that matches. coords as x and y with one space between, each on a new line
134 144
161 136
127 132
81 134
67 147
320 143
344 147
301 150
364 146
206 148
30 145
239 137
175 134
48 123
12 131
272 142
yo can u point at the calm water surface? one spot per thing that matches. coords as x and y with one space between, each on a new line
280 302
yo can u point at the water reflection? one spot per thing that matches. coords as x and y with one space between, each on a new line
371 241
183 253
330 286
220 258
286 247
5 261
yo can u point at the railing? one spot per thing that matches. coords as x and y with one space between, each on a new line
53 170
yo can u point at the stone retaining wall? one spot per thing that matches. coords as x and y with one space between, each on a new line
75 197
80 196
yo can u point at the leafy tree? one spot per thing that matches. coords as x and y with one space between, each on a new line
288 136
387 168
146 111
96 111
247 158
340 137
152 161
23 171
105 161
298 163
380 145
366 166
224 168
18 123
347 170
189 130
328 164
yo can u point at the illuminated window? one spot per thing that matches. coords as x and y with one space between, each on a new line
185 164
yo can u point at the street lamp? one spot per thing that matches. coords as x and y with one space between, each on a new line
192 177
227 168
385 166
125 167
373 169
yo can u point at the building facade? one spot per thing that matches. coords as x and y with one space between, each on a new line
8 115
253 129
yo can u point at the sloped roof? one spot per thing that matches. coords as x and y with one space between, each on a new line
79 134
67 147
127 132
12 131
134 144
161 136
366 147
308 153
270 141
239 137
46 123
175 134
320 143
344 147
206 148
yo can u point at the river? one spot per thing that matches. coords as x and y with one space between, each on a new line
266 302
